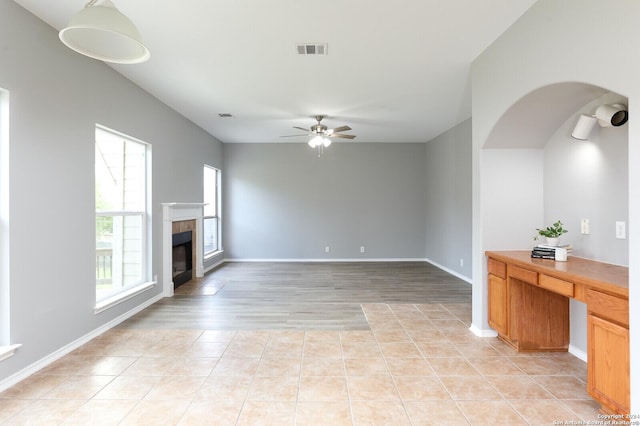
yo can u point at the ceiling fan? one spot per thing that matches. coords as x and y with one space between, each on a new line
321 134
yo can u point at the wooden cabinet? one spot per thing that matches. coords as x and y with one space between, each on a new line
498 304
529 308
498 297
541 317
608 351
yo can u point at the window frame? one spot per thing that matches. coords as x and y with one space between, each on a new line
6 349
128 291
217 214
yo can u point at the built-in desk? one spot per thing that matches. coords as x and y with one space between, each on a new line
529 308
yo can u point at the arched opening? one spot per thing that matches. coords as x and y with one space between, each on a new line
534 173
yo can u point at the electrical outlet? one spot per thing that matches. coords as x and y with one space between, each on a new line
621 230
327 249
584 226
362 249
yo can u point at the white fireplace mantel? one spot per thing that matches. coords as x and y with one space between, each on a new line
174 212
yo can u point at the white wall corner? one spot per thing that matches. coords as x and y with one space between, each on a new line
8 351
578 353
450 271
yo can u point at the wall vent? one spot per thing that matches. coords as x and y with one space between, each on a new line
225 115
312 48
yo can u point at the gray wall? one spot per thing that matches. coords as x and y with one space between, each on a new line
448 190
588 179
56 98
282 201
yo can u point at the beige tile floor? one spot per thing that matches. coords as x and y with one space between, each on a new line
418 365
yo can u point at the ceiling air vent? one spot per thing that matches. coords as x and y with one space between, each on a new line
312 48
225 115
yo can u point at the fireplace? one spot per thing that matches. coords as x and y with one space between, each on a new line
178 218
182 258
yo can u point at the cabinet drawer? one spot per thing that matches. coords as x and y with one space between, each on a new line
525 275
497 268
556 285
609 307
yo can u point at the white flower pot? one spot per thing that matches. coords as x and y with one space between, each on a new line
553 241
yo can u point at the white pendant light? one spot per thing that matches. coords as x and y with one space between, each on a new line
102 32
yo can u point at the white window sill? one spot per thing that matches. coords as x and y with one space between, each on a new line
7 351
112 301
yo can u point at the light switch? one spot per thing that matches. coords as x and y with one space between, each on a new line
584 226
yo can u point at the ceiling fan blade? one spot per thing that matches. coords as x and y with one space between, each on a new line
302 128
339 129
292 136
340 135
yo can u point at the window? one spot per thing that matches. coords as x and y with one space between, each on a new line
122 202
4 221
211 210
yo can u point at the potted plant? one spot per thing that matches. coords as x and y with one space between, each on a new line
552 233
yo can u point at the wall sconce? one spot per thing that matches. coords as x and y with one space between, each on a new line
606 116
100 31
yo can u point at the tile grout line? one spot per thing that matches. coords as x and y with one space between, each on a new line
304 344
437 376
346 378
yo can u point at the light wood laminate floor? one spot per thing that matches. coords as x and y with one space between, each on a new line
305 344
304 296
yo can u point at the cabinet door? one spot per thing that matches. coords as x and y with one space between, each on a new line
608 366
498 304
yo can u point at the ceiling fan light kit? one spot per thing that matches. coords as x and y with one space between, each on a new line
318 140
321 135
100 31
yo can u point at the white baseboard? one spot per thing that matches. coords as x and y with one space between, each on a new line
54 356
578 353
482 333
450 271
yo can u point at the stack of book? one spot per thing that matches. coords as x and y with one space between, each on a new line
545 251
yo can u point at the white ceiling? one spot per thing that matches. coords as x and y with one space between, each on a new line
396 71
